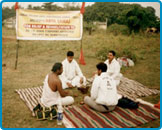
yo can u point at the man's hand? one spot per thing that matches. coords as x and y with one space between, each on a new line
94 73
67 93
81 80
69 85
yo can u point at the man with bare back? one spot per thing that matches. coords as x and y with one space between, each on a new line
53 93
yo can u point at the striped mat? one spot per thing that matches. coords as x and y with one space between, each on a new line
127 88
31 96
85 117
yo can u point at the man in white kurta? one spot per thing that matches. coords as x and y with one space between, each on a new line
104 96
113 67
72 75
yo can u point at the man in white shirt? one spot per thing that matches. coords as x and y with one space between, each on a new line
113 67
53 94
104 96
72 75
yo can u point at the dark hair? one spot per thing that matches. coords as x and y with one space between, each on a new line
113 52
70 53
56 66
102 66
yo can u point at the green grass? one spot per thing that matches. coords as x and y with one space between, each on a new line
37 57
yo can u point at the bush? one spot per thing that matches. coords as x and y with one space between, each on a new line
117 29
89 27
102 54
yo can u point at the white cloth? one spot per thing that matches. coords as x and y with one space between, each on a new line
104 90
71 74
123 61
113 70
68 100
50 98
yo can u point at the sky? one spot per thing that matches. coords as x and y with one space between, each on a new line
155 5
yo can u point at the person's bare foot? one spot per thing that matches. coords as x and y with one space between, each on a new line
70 85
81 80
75 95
81 103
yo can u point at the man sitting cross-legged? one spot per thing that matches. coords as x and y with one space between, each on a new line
104 95
113 67
52 89
72 75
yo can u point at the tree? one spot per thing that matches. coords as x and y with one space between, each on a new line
8 12
100 11
47 6
37 8
138 18
72 6
133 15
150 12
29 6
89 27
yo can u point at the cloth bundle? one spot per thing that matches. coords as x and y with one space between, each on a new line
127 103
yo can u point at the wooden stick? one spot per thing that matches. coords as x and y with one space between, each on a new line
17 48
81 44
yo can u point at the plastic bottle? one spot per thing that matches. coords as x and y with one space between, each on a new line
59 114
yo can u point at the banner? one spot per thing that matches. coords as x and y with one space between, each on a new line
48 25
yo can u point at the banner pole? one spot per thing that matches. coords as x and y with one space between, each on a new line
17 48
81 44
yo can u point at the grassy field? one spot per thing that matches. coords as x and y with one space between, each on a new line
37 57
